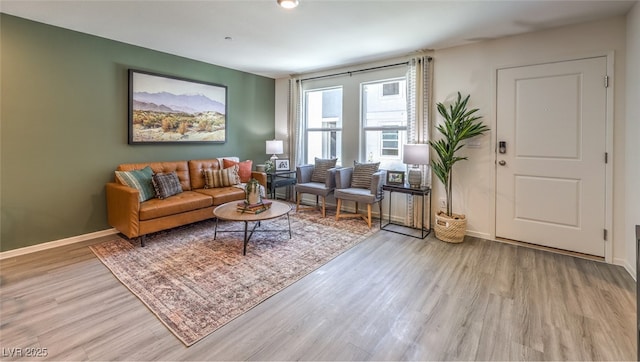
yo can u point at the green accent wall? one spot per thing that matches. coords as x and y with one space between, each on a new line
63 125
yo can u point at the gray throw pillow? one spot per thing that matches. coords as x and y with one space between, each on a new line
320 169
362 174
166 184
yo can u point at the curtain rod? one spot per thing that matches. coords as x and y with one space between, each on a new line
358 71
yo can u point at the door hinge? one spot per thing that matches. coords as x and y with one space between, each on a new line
605 234
606 157
606 81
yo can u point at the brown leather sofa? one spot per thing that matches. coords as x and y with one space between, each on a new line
136 219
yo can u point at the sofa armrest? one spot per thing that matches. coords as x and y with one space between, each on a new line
261 177
377 181
343 177
123 209
303 173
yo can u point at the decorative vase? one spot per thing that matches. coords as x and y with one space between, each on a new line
252 192
450 228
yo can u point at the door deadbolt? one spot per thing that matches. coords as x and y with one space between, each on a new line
502 147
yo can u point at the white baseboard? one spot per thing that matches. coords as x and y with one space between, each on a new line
625 264
477 234
56 243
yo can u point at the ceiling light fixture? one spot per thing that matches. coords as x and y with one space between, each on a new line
288 4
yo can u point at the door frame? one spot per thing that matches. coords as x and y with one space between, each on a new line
609 117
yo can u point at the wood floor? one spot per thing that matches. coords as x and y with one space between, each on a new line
389 298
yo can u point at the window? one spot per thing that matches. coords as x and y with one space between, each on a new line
384 121
391 89
360 117
323 117
390 144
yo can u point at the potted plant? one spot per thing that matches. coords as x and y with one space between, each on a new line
459 124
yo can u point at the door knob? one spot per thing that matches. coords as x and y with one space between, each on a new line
502 162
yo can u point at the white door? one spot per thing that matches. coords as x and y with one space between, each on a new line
550 180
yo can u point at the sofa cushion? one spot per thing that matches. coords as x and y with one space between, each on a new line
320 169
221 178
140 180
244 168
180 167
222 195
166 184
363 173
182 202
196 168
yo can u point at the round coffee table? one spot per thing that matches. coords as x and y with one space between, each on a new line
229 211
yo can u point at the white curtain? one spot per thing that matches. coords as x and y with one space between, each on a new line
418 122
294 122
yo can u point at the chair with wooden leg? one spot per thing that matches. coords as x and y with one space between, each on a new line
361 184
318 179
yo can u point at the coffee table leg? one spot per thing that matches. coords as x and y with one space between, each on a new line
289 222
215 230
246 240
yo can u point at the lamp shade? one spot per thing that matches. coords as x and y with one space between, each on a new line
274 147
416 154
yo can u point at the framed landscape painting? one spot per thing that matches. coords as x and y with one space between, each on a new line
164 109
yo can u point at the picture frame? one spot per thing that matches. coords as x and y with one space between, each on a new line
172 110
282 164
395 177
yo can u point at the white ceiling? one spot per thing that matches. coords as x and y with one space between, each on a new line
317 35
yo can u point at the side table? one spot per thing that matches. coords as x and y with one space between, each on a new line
407 190
277 179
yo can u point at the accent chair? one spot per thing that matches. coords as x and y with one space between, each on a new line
361 184
318 179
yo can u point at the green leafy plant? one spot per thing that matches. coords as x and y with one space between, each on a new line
252 186
269 166
459 124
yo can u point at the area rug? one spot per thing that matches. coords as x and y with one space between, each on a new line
195 284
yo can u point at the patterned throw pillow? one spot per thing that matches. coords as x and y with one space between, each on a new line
244 170
320 170
166 184
221 178
140 180
362 174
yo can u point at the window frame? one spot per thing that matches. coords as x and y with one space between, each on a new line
399 129
305 122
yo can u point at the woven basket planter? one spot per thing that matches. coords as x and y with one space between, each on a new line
450 229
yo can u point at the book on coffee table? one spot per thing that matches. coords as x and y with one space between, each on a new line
244 207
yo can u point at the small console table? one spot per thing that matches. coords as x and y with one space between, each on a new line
405 189
277 179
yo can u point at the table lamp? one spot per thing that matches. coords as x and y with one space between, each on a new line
415 154
274 147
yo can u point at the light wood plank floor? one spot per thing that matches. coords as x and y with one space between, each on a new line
389 298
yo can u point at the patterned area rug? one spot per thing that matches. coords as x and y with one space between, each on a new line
195 284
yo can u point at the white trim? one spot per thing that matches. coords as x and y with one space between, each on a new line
625 264
608 197
56 243
480 235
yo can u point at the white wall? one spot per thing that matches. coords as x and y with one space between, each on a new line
471 69
632 154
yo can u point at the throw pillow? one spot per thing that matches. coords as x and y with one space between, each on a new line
320 169
362 174
221 178
166 184
140 180
244 170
